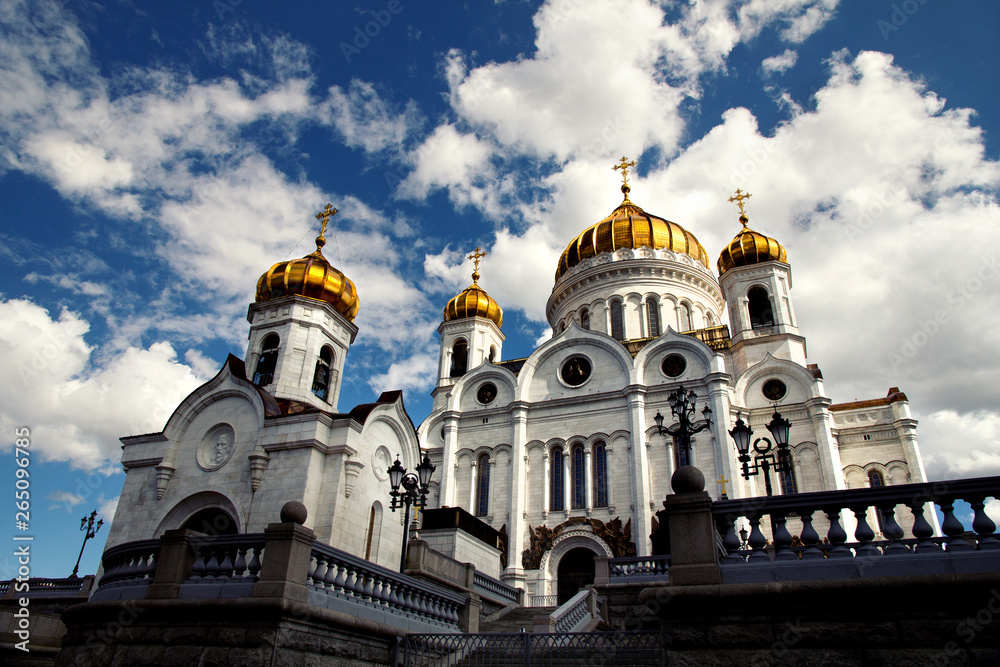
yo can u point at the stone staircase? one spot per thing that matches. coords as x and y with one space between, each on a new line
522 618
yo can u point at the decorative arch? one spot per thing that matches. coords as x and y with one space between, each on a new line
759 307
567 541
187 508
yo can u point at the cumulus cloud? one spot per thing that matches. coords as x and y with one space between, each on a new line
77 408
780 63
365 120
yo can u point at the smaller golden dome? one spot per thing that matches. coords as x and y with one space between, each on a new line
312 277
750 247
473 301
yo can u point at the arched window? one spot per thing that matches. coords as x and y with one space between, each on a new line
617 321
493 354
684 314
759 307
459 358
578 466
788 477
709 319
483 485
556 486
264 373
653 317
875 481
374 531
321 378
600 475
680 456
585 318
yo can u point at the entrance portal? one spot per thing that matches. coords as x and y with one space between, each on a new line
576 570
212 521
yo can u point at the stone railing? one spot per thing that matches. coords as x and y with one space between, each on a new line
575 614
229 565
336 577
544 600
637 568
494 588
42 587
132 565
809 556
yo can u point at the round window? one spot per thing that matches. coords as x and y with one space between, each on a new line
575 371
486 393
774 389
673 365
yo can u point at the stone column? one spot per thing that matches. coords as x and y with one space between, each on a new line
514 574
641 492
567 481
546 503
448 481
588 479
473 484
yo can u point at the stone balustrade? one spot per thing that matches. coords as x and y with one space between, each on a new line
128 566
638 568
489 587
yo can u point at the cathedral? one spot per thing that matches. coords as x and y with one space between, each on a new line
555 458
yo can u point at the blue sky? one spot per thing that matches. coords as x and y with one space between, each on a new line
156 158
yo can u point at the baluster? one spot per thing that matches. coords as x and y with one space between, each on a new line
809 537
727 526
892 530
240 566
253 567
864 533
379 592
368 584
198 567
330 577
226 566
150 570
340 583
311 572
212 565
953 528
353 584
984 526
923 531
757 541
782 538
837 535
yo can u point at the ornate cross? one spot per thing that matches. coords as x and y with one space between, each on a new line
739 198
723 481
476 255
623 165
324 216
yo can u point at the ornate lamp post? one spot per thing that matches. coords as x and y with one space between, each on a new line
87 524
414 492
682 406
769 456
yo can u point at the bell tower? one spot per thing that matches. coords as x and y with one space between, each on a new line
301 326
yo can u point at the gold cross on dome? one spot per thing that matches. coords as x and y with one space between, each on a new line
324 216
739 199
476 255
623 166
723 481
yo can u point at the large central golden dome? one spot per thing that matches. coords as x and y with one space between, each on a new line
629 226
313 277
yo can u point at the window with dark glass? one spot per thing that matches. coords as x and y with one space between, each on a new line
617 321
680 456
585 319
493 354
653 317
321 378
600 463
483 485
578 465
556 486
788 477
264 373
459 358
875 481
759 307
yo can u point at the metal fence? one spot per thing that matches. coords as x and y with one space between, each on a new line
526 649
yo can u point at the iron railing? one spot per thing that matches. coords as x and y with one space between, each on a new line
526 649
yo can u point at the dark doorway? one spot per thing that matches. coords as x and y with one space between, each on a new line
576 570
212 521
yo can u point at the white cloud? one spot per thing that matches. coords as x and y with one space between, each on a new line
65 499
365 120
780 63
76 408
961 444
415 373
107 508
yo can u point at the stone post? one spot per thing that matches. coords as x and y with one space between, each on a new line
173 565
694 558
601 572
287 552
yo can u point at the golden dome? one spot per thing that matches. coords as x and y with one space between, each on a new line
312 277
473 301
750 247
629 226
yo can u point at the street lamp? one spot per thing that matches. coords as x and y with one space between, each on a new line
771 456
415 490
86 524
682 406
